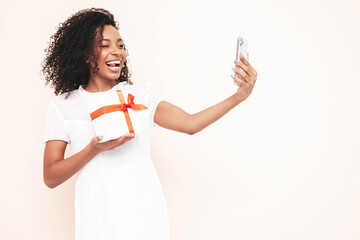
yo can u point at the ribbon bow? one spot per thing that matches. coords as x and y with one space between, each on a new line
120 107
131 104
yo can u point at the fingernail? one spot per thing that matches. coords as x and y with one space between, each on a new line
231 75
100 137
236 61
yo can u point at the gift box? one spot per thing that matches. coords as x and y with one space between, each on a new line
112 116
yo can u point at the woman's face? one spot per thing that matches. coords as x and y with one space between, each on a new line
111 55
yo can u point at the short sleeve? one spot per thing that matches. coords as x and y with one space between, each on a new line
153 98
54 125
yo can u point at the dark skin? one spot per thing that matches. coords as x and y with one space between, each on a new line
57 169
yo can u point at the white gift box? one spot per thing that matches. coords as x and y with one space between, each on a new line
112 125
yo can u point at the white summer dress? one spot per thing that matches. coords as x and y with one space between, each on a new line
118 195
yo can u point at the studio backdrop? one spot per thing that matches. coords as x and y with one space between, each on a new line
284 164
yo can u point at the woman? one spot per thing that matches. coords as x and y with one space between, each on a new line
118 193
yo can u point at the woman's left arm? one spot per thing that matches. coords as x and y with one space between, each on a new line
174 118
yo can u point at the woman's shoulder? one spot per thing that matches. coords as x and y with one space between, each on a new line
67 100
139 88
133 85
66 97
143 86
70 104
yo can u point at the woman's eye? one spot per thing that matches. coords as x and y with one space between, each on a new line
121 46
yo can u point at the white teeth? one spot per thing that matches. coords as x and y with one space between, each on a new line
116 62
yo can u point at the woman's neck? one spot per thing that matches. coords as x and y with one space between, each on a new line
100 86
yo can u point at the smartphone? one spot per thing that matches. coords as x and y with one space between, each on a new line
241 48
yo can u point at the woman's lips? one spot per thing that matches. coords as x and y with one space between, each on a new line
114 65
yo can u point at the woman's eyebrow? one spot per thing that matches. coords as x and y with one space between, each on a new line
109 40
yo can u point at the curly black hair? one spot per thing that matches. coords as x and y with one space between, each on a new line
65 63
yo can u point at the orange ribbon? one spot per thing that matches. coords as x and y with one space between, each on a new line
120 107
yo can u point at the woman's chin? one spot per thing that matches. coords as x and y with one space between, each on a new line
112 75
108 74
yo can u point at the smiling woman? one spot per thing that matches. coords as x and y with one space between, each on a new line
118 193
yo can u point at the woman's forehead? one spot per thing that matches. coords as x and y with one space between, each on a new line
110 31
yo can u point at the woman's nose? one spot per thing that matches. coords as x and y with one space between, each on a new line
115 50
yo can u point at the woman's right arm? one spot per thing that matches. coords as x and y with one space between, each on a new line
57 169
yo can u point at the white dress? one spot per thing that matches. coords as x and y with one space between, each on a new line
118 194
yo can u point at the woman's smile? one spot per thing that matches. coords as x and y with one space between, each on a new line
113 65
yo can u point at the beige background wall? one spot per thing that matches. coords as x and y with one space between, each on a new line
282 165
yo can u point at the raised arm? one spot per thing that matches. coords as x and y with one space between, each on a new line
174 118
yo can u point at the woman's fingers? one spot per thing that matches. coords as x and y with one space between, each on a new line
248 65
128 138
98 146
245 70
243 74
121 140
239 80
244 67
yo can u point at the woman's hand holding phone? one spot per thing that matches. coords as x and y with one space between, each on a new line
248 77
